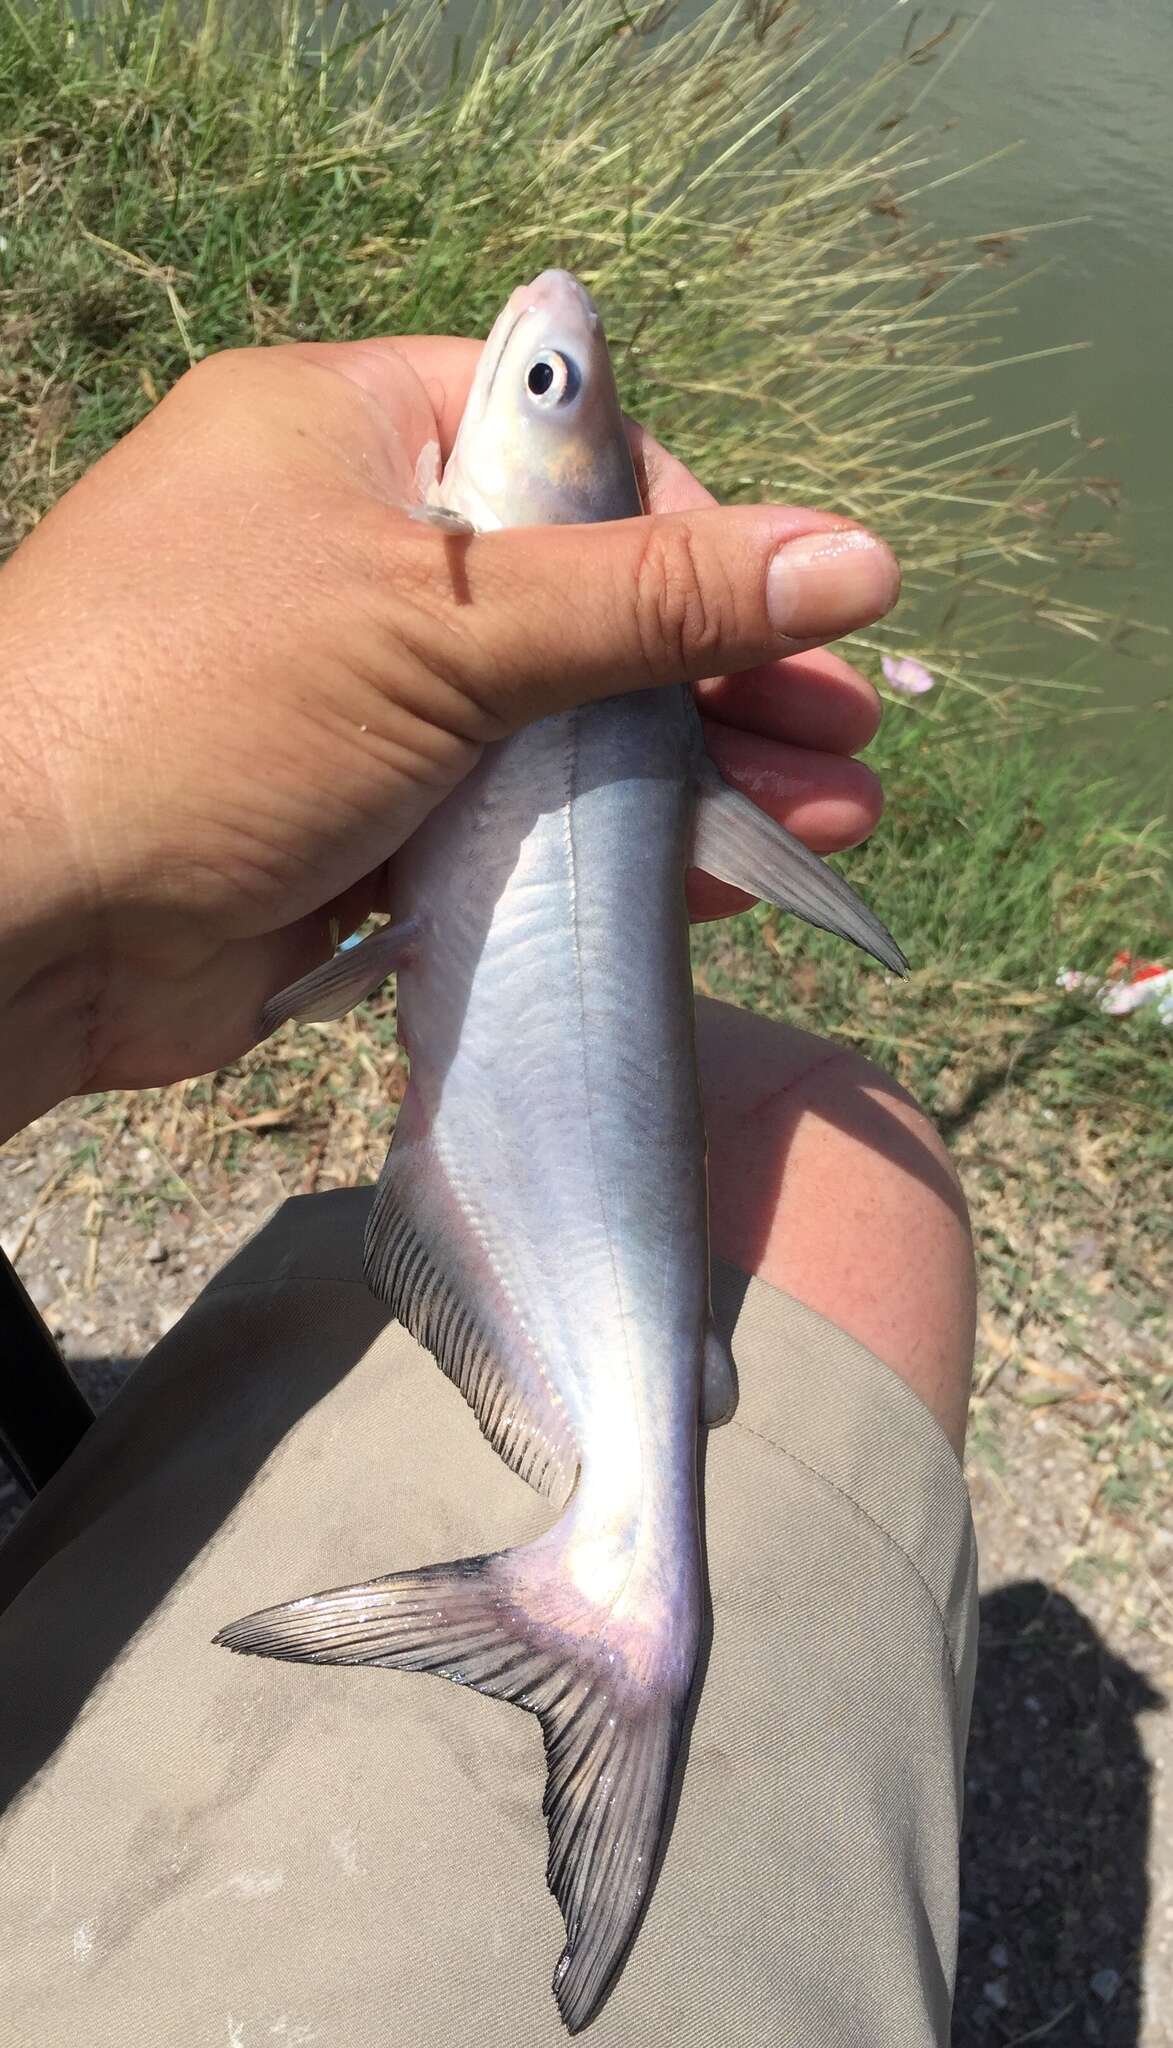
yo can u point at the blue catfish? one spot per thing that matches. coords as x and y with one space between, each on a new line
540 1224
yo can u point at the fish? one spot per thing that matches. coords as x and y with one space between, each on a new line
540 1224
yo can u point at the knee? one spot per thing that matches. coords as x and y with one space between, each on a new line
831 1183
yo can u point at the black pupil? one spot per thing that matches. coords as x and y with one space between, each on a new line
540 378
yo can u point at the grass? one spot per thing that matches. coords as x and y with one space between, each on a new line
780 313
759 232
996 867
776 309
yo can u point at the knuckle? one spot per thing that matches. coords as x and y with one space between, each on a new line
683 607
246 388
218 373
221 396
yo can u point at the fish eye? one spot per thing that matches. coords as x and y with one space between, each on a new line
552 378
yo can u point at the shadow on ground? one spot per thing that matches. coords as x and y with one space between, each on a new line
1054 1887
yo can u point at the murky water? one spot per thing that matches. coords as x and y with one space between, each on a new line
1079 96
1080 92
1073 99
1059 114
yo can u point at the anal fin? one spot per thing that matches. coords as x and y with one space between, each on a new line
417 1270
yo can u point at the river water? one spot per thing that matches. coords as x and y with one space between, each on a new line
1080 95
1073 101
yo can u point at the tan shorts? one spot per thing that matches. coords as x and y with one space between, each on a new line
207 1851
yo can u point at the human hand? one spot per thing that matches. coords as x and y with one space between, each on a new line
236 677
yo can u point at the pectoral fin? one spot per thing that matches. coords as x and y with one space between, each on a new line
352 974
430 511
737 843
442 517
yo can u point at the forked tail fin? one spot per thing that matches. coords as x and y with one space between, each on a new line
610 1700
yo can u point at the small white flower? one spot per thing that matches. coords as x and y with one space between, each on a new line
911 678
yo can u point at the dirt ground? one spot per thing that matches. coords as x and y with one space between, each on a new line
117 1210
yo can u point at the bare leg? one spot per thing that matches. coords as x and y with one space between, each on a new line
829 1182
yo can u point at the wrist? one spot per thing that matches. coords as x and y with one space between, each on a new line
48 1002
49 979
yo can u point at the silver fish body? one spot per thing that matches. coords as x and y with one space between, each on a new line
541 1221
552 1133
547 1182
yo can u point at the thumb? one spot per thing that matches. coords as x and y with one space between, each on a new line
540 618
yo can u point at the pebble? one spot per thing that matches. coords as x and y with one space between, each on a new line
1000 1955
156 1252
995 1993
1105 1984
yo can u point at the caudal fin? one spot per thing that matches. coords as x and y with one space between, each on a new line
611 1708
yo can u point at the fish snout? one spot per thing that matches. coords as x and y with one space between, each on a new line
560 293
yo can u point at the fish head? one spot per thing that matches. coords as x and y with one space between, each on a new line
542 440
